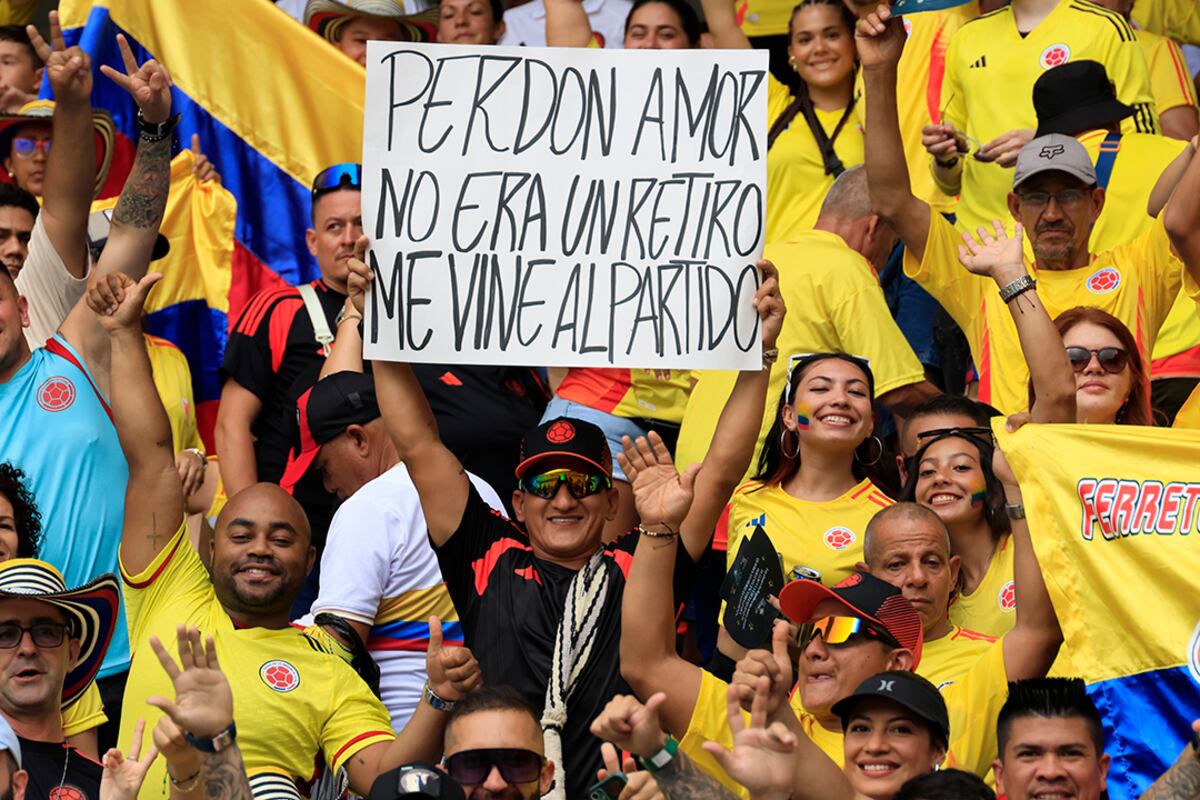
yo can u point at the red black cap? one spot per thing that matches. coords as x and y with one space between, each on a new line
566 439
324 412
865 596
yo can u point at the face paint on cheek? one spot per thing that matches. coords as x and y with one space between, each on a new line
979 495
803 416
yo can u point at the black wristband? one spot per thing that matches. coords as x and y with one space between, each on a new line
156 131
721 666
216 744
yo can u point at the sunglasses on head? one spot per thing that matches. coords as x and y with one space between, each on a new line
339 176
24 146
840 630
1112 359
472 767
579 484
940 433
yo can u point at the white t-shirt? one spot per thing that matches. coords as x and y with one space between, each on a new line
47 286
525 25
379 569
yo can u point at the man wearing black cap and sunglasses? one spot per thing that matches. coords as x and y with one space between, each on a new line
275 352
542 607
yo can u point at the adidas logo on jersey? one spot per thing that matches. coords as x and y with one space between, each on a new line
979 63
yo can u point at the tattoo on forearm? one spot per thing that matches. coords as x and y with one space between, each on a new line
225 776
1180 782
144 197
681 778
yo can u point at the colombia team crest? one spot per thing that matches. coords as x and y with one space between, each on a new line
1103 281
56 394
279 675
838 538
1055 56
1007 599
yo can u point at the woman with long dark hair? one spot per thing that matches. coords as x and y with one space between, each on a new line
815 130
813 494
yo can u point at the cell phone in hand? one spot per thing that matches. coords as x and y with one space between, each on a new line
609 788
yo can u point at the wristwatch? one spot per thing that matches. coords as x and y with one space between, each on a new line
663 757
1019 286
222 741
1015 510
198 453
347 312
431 697
156 131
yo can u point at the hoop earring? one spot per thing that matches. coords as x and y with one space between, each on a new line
783 446
878 456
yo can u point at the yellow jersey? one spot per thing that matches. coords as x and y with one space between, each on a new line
85 713
992 608
826 537
645 393
710 723
173 380
990 72
1177 19
1189 413
764 17
280 730
1136 283
922 74
796 179
831 293
947 658
1170 78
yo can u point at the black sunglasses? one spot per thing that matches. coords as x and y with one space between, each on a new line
937 433
472 767
1112 359
339 176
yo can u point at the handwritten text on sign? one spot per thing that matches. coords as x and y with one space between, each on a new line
575 207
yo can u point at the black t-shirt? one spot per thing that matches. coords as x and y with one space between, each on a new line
273 353
44 762
510 603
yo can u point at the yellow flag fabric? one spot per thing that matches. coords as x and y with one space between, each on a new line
1113 513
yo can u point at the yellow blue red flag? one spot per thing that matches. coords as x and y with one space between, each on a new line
1114 512
273 104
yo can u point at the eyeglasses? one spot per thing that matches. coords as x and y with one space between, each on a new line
579 484
24 146
1112 359
839 630
472 767
44 634
339 176
1067 198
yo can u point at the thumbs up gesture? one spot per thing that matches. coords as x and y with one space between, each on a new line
453 671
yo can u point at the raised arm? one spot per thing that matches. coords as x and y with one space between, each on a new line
733 441
71 163
440 478
154 495
346 353
567 24
721 16
880 40
1182 780
1032 644
997 256
1182 217
138 213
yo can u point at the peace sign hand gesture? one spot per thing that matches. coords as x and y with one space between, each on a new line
149 85
68 68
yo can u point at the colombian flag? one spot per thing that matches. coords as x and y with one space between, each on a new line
1114 512
273 104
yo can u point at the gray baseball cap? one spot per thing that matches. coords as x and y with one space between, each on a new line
8 741
1054 153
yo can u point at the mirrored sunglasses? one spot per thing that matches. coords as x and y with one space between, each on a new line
840 630
579 484
24 146
339 176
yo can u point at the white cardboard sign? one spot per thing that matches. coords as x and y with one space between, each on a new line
573 207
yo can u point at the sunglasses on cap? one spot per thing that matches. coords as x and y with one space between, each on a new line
579 484
472 767
24 146
1112 359
339 176
840 630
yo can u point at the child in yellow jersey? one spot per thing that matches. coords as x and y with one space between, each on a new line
813 497
815 134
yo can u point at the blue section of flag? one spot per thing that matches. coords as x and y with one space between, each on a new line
406 631
200 332
273 207
1147 721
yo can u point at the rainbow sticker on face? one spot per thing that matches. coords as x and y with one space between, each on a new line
803 416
